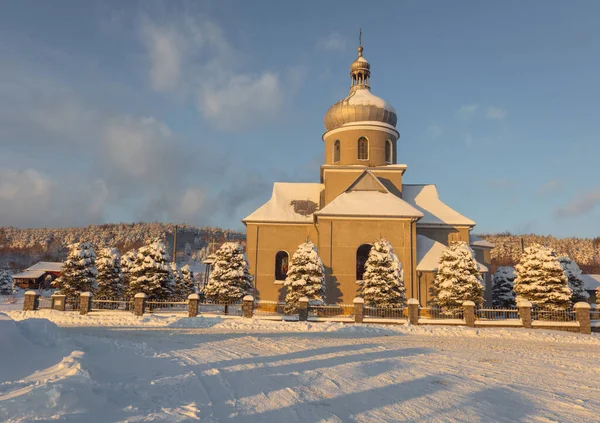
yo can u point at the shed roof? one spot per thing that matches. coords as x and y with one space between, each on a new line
591 282
29 274
475 241
48 266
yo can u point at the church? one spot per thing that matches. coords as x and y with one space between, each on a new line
360 198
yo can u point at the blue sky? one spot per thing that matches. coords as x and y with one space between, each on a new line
189 111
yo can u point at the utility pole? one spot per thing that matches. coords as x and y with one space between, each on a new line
175 245
522 245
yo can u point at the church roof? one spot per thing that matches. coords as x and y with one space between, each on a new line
429 252
475 241
289 203
435 212
368 197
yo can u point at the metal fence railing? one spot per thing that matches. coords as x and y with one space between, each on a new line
594 314
220 308
269 308
441 313
331 311
8 299
497 313
72 304
160 306
44 302
553 314
386 312
117 304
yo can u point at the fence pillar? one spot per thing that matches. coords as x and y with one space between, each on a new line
31 301
248 306
469 313
525 313
582 311
193 300
303 309
359 309
58 301
413 311
139 304
85 302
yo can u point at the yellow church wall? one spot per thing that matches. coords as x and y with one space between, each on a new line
425 283
349 146
271 238
337 181
445 235
339 241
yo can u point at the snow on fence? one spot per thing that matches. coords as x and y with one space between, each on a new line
553 314
44 302
166 306
112 304
331 311
8 299
436 313
497 314
385 312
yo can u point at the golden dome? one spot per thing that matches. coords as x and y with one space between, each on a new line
360 105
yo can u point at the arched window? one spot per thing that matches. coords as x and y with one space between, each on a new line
281 265
363 148
362 254
336 151
388 151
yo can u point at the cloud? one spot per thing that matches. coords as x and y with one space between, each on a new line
550 187
466 111
434 131
166 49
495 113
332 42
581 205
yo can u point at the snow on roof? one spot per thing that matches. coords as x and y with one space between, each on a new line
428 255
29 274
475 241
290 202
369 204
591 282
366 97
47 266
426 199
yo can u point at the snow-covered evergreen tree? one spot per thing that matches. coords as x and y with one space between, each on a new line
127 262
573 274
110 277
230 279
305 277
186 285
383 280
79 271
6 280
151 272
458 278
502 287
541 279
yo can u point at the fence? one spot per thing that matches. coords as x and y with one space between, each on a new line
72 304
553 314
385 312
156 306
595 315
221 308
331 311
483 314
106 304
269 308
437 313
44 302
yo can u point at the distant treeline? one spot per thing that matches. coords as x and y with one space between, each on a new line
508 247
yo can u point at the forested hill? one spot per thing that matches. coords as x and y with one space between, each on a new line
23 247
585 251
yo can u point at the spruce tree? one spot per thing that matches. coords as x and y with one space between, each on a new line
6 280
110 277
78 273
305 277
458 278
541 279
127 263
187 284
383 280
151 272
230 279
502 287
576 285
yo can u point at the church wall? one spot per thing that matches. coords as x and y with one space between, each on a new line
445 235
338 180
425 282
349 147
271 239
339 242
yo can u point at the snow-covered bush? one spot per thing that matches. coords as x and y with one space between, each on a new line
110 276
151 272
541 279
458 278
230 279
127 263
305 277
383 279
78 273
502 287
187 283
6 280
573 274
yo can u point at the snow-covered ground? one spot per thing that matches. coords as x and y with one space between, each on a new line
59 365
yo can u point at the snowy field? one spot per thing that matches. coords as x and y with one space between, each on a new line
166 368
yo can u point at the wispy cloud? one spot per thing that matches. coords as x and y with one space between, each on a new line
332 42
580 205
495 113
466 111
550 187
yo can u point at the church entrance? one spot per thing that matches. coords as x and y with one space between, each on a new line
362 254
